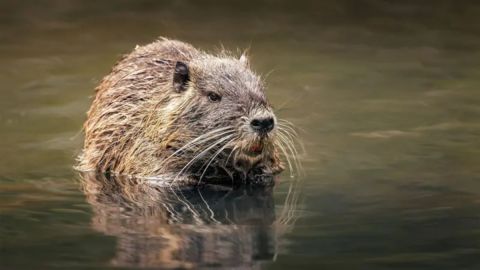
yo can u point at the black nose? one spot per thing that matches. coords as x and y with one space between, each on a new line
262 125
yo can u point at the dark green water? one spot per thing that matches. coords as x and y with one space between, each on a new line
387 94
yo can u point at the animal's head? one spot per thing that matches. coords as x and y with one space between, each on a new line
230 122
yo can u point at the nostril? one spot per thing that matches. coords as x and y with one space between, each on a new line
263 125
269 123
256 123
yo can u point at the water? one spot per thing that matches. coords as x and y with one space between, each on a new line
386 93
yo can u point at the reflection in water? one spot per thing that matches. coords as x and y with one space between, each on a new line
174 227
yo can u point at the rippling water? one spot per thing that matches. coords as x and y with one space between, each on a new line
386 95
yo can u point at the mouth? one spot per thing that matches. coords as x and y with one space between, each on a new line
255 149
255 146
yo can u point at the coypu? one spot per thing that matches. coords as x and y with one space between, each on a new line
172 112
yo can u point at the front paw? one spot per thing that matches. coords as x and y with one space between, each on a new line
261 176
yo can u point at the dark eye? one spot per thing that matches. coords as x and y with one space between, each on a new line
214 97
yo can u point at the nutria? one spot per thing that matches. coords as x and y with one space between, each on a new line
172 112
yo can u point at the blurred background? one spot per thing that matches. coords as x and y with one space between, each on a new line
386 93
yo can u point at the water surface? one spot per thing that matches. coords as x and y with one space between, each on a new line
387 95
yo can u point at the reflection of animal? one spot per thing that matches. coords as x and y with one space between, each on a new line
169 110
184 228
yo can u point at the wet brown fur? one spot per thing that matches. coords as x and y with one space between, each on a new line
137 120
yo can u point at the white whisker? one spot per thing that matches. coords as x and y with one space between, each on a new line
200 154
213 158
201 139
279 144
291 147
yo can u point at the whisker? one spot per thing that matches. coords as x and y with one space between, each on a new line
291 147
200 139
288 126
279 144
213 158
204 136
286 142
292 136
230 155
200 154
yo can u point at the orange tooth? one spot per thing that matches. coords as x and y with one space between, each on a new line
256 148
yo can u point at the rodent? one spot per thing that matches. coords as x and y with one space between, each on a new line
172 112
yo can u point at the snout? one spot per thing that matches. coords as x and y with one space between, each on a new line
262 125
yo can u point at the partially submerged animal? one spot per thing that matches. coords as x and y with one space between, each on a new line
172 112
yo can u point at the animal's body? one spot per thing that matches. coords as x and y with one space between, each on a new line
170 111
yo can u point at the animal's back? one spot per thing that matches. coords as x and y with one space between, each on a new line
135 84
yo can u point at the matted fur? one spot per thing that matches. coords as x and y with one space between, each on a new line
139 125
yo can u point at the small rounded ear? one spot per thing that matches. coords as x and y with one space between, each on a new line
181 77
244 59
